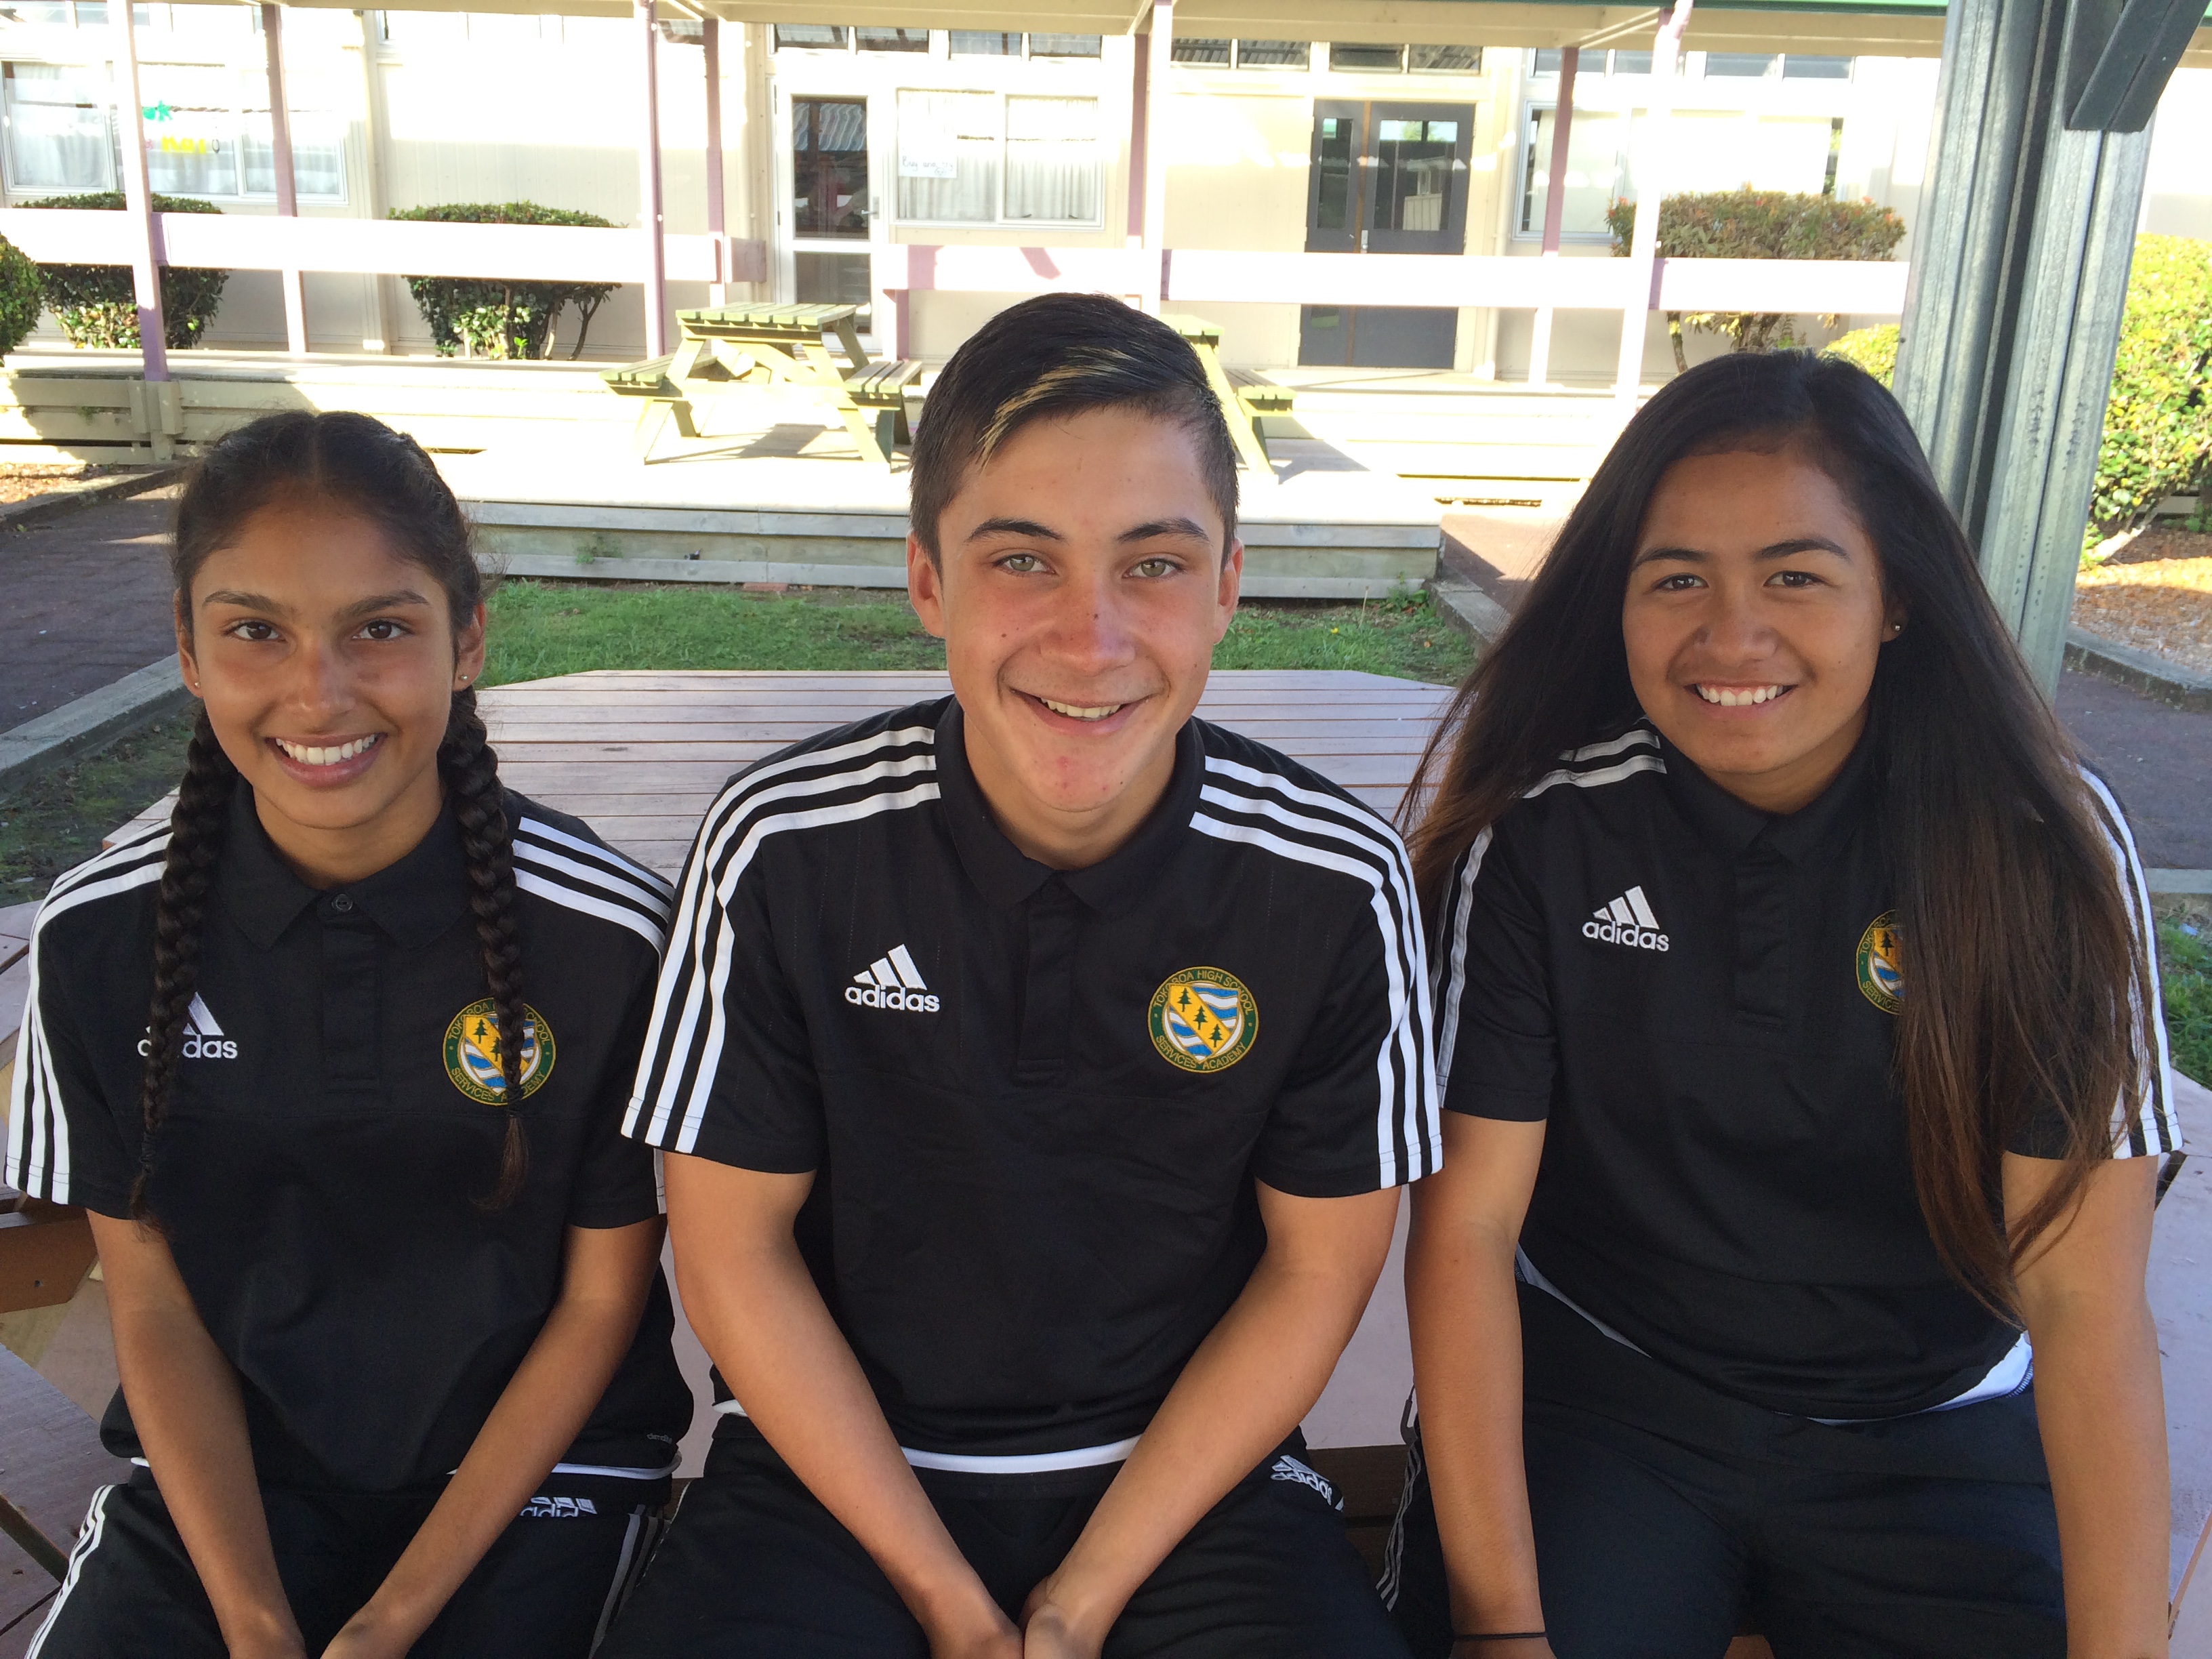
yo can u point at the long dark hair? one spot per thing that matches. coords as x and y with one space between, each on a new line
2022 959
363 466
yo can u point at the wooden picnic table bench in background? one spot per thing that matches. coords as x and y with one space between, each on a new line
728 348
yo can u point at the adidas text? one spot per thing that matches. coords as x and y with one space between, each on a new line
893 980
559 1509
876 996
1627 920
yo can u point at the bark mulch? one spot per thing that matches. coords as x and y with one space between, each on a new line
2156 595
19 482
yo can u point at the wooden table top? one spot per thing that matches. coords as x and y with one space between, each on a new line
640 757
812 317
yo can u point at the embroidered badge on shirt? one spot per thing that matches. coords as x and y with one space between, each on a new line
1882 973
1204 1020
472 1057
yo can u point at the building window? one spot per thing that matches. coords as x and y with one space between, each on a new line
983 43
1444 60
875 39
1353 55
1750 65
810 37
1597 173
1187 49
1065 45
1796 66
987 158
1274 54
207 133
1548 60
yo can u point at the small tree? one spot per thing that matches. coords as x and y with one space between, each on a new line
1757 224
2158 421
21 297
502 319
98 305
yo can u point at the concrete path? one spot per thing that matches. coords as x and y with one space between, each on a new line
86 601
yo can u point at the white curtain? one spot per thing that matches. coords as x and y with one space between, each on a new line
948 156
1053 172
57 130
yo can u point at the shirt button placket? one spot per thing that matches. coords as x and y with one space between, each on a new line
351 1058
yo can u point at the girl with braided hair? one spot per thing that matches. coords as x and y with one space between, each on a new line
337 1061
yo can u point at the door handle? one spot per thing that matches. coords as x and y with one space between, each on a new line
1363 241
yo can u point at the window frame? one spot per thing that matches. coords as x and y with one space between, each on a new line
1532 114
1000 97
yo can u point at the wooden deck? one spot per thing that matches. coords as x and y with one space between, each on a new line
639 757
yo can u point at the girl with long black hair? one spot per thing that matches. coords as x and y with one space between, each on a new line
1806 1083
335 1060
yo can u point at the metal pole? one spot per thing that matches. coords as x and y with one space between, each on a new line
1650 179
1140 97
711 38
139 199
1158 55
2020 276
648 190
280 148
1555 205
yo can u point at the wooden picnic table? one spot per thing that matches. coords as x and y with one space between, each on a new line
1242 404
726 348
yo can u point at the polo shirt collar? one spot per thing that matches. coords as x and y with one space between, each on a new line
1732 825
413 899
1006 875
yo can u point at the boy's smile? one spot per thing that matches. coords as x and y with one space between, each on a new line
1082 591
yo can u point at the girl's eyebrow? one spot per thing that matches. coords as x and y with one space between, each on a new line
1782 549
394 601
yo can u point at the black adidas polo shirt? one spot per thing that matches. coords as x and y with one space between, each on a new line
1701 998
327 1137
1037 1101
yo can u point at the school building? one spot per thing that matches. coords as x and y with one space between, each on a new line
844 139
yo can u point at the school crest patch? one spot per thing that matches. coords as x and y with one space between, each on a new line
472 1056
1880 963
1204 1020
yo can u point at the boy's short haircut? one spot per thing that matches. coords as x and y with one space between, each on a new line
1062 354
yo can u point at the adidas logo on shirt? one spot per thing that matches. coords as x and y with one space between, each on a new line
1627 920
204 1038
891 980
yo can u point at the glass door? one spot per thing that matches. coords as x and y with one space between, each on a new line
1385 178
830 213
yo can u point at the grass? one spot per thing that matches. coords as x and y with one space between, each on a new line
539 630
2185 949
58 821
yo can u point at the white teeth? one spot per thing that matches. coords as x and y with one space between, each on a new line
312 755
1743 699
1077 713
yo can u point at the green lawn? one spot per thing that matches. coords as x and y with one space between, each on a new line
2185 949
58 822
539 630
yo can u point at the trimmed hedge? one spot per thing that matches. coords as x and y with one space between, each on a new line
474 318
1757 224
1874 349
2157 422
98 305
21 298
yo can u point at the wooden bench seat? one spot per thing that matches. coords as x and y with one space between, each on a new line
882 387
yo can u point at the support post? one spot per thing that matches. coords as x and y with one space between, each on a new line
1140 98
138 200
648 188
2020 277
1159 55
1555 205
710 37
1651 155
280 148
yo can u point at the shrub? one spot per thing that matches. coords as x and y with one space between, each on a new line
478 318
1874 349
2157 422
98 306
21 298
1758 224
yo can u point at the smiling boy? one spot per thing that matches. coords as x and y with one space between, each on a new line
1036 1068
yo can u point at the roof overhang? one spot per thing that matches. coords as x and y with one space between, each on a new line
1868 28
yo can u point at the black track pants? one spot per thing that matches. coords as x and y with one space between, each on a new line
1667 1517
544 1591
754 1568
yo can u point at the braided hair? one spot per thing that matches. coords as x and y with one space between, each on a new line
356 463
